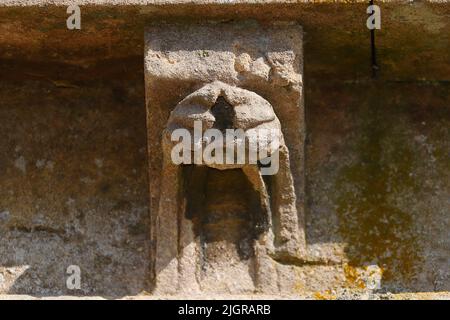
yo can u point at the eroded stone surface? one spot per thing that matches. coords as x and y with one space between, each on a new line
79 193
258 72
43 63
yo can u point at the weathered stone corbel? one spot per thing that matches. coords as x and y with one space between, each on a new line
223 227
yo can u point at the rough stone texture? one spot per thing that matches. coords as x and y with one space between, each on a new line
351 120
378 183
242 63
163 3
317 296
73 187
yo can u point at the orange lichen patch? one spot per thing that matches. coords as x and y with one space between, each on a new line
353 277
326 295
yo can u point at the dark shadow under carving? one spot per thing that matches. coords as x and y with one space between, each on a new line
223 207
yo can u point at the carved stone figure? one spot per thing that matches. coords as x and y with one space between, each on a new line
236 218
218 226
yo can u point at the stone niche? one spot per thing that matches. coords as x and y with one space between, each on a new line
223 229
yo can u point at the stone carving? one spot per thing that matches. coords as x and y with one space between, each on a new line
228 235
225 228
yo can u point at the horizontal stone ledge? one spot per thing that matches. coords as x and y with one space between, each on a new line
316 296
166 3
